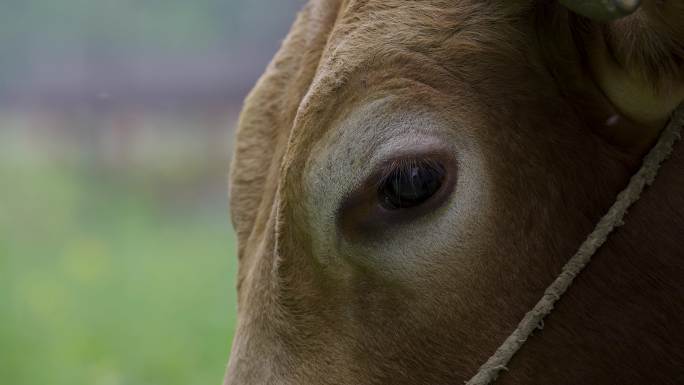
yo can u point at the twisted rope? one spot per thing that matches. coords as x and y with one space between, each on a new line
489 371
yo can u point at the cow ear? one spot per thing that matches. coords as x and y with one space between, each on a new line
267 116
602 10
635 53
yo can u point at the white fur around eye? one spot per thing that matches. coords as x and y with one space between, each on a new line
346 156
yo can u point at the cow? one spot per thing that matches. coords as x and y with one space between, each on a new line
409 176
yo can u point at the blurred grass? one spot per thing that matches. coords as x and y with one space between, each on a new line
107 277
116 254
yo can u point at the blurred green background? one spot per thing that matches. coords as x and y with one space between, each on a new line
117 259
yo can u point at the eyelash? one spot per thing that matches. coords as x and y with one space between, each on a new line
403 166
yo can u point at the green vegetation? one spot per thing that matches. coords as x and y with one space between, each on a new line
108 278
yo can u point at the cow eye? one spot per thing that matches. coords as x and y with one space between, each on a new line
410 183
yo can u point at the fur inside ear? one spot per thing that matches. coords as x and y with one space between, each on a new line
602 10
638 61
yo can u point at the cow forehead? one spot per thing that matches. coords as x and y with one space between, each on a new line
425 41
388 34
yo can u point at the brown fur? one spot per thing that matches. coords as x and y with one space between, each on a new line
511 80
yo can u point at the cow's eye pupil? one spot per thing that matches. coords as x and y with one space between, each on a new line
410 184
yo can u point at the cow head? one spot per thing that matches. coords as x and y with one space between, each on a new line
410 175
